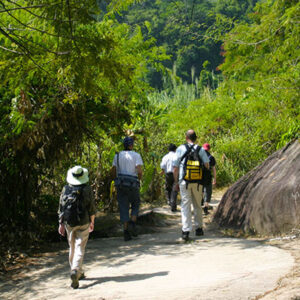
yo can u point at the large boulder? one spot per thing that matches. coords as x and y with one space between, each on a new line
267 199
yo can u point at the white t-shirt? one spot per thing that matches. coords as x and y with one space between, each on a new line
128 161
167 162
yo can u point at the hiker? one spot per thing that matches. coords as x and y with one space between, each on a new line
76 213
207 188
127 171
187 176
167 169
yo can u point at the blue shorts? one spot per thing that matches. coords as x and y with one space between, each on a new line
128 197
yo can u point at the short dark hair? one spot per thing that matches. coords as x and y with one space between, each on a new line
128 142
172 147
191 135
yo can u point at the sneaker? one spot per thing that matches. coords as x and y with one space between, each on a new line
199 231
185 235
127 236
205 209
132 229
74 278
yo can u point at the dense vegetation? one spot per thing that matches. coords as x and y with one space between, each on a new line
187 29
70 74
255 110
75 79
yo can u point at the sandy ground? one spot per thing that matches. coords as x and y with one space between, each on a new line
160 266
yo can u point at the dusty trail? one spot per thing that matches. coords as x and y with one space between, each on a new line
158 266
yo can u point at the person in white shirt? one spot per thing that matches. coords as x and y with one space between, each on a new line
127 171
167 168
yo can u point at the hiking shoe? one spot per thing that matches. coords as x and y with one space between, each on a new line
185 235
199 231
132 229
205 209
174 209
127 236
74 278
81 277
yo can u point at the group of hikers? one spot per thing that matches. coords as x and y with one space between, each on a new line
188 169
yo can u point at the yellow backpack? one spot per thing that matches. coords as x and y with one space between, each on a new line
193 166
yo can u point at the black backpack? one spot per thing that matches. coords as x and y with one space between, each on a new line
194 170
73 210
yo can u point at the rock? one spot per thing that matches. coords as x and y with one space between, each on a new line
267 199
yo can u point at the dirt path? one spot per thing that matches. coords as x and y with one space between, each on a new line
159 266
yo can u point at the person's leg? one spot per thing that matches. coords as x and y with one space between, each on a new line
71 241
196 199
168 186
122 197
135 203
173 193
186 215
135 206
81 238
174 198
76 254
207 196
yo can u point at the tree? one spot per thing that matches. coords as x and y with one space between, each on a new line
255 110
69 72
186 29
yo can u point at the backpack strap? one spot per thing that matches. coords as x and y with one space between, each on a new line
117 163
188 150
197 150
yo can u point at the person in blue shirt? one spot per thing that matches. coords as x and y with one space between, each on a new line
207 189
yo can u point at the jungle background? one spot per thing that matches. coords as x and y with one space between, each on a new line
78 76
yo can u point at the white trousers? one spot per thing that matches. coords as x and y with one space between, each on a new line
192 194
77 238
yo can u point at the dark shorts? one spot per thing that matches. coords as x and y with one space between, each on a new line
128 197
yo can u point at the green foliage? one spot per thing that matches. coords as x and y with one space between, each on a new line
255 109
187 29
73 86
70 74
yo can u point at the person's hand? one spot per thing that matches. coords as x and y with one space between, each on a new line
214 182
91 228
177 187
62 229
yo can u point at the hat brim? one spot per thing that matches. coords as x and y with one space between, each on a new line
78 180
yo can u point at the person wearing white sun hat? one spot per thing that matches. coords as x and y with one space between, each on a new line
76 217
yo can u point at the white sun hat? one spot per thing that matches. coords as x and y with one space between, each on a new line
77 175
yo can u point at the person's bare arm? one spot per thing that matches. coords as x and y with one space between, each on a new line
176 177
175 174
92 222
139 171
206 165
